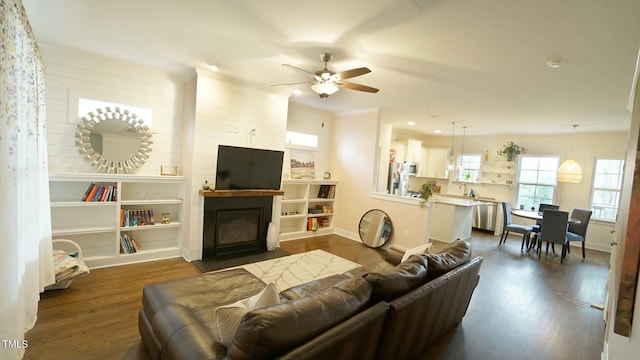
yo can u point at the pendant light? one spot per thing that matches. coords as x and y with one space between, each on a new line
461 163
570 171
451 158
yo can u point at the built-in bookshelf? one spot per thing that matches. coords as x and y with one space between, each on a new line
307 208
151 205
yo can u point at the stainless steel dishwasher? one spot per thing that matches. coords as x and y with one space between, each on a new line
484 216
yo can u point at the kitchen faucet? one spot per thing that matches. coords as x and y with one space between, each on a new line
464 192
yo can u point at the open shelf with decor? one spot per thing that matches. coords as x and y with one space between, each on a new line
498 172
97 225
307 208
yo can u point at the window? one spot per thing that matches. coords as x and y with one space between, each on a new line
301 139
536 181
607 184
469 168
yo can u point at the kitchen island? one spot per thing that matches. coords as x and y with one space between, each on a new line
451 218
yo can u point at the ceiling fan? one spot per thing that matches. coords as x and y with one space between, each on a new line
326 82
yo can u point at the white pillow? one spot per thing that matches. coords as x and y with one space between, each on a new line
228 316
415 251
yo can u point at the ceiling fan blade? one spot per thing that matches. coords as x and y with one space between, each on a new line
299 69
353 86
352 73
293 83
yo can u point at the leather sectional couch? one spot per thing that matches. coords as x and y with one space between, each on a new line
380 311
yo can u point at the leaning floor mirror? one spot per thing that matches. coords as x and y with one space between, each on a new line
375 228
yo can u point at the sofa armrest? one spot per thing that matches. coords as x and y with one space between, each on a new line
182 336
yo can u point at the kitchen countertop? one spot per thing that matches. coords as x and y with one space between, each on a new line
477 199
456 201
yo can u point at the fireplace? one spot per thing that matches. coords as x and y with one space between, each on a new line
235 226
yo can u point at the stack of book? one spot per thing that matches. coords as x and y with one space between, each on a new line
136 217
100 193
128 244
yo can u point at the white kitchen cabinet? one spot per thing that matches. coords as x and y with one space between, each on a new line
434 163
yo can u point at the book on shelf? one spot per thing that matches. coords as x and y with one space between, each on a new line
100 193
312 224
86 193
131 218
327 192
92 193
324 222
129 244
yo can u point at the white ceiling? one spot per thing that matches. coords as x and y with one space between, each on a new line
479 63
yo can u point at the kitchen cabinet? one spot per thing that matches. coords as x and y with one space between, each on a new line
434 163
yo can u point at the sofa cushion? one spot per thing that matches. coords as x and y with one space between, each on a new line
389 282
313 287
267 332
228 316
448 258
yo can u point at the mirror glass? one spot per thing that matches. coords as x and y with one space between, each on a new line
375 228
114 140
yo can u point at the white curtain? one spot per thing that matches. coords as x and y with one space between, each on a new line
26 261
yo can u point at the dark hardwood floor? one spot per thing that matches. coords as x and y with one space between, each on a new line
523 308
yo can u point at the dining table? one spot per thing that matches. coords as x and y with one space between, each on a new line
537 215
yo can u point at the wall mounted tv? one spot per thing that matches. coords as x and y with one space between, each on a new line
248 168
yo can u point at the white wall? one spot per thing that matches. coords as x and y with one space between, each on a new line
353 157
71 74
305 119
224 112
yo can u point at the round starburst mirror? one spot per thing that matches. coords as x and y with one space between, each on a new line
114 140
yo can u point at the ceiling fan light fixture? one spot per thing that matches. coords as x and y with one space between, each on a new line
324 88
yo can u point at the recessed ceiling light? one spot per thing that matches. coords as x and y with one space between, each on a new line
438 131
297 92
554 63
411 123
213 67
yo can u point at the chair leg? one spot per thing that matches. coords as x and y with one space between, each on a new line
583 250
564 252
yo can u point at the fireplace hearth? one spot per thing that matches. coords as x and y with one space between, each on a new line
235 226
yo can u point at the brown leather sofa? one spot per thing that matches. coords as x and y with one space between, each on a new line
376 312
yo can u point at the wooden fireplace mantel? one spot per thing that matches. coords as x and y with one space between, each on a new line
240 193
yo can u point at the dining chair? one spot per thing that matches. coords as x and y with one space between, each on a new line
553 230
508 227
578 232
536 228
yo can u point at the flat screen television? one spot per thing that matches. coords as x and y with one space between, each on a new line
248 168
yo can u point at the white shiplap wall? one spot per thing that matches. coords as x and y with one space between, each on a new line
72 74
225 113
314 121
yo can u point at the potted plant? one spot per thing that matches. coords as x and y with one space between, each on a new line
426 190
510 150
